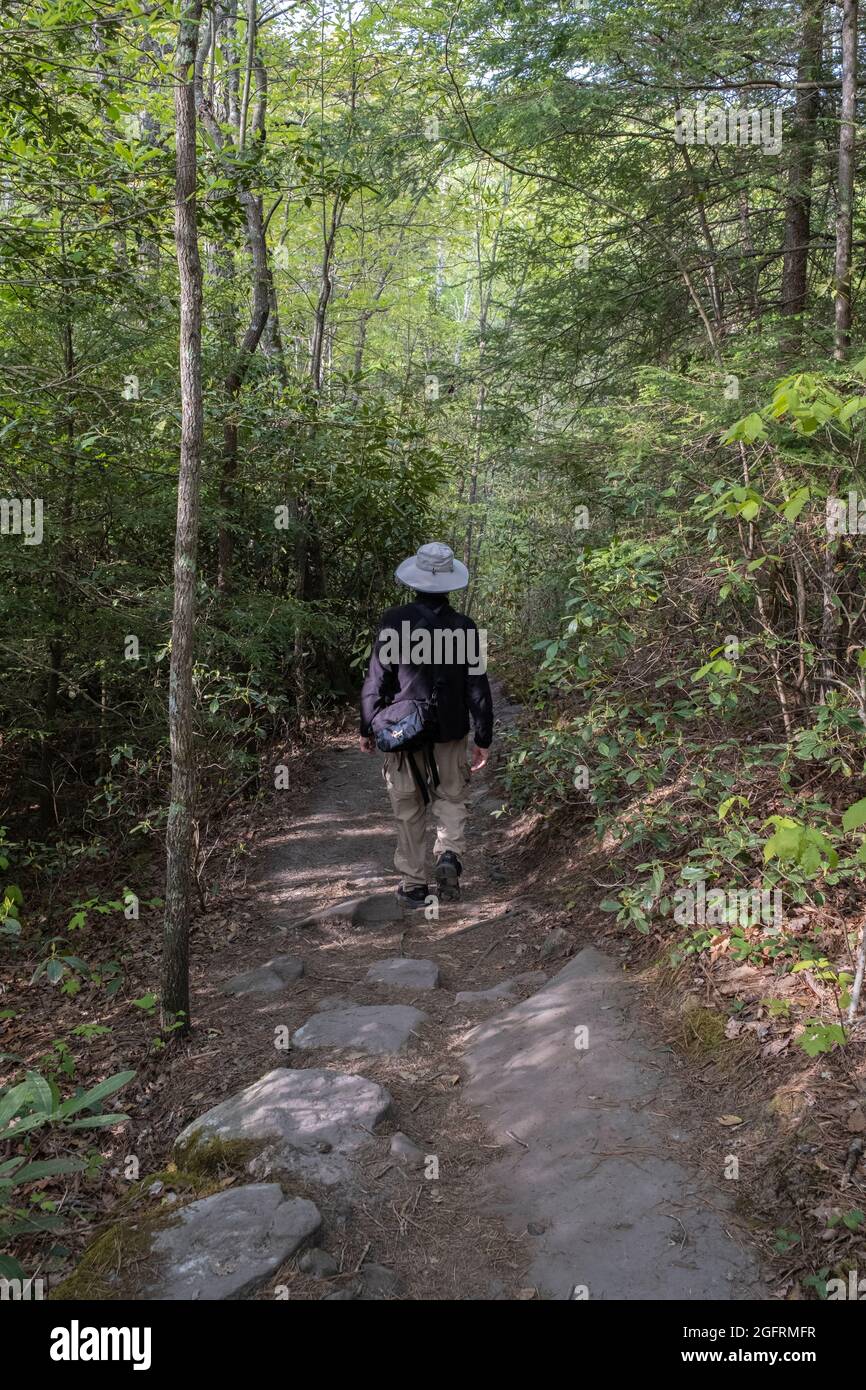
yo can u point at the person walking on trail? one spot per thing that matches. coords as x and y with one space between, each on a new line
426 683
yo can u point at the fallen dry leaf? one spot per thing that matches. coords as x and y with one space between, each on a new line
730 1120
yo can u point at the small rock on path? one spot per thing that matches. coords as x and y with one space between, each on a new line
227 1245
269 978
376 1028
404 972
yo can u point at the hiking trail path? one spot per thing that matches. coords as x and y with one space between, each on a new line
439 1109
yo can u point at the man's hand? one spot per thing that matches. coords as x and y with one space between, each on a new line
479 759
366 743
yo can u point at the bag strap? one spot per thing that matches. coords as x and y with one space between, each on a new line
429 766
436 673
420 782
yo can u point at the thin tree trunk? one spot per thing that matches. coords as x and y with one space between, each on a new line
235 378
326 286
826 662
860 970
230 108
798 208
749 248
262 280
845 208
484 301
252 17
180 876
57 645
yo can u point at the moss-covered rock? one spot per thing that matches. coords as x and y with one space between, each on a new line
104 1270
220 1246
112 1265
205 1156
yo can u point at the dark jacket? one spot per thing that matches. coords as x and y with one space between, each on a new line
459 693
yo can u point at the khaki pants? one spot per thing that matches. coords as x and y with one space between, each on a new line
447 802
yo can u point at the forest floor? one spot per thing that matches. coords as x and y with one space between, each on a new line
596 1166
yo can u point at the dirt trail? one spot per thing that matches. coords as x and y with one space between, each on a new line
559 1165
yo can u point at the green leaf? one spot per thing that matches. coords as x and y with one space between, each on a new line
23 1125
851 408
47 1167
96 1094
795 503
855 816
12 1102
99 1121
40 1090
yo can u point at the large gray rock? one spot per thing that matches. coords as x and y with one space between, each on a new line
227 1245
374 1028
404 973
309 1122
505 990
584 1121
269 978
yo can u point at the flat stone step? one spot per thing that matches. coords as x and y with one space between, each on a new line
228 1245
371 909
307 1121
587 1167
268 978
374 1028
404 973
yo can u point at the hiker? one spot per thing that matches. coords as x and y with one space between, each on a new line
427 677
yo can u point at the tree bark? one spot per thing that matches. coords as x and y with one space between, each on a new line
180 876
234 380
262 281
845 207
326 286
798 207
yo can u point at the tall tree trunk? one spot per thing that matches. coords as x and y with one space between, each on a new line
262 280
326 286
484 302
57 644
798 207
234 380
180 875
829 622
845 209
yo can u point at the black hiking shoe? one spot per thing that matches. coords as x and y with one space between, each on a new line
412 897
448 871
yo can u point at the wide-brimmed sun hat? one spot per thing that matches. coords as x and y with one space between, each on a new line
433 570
